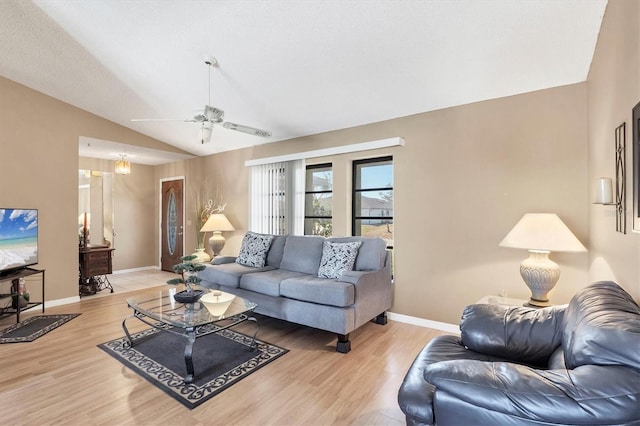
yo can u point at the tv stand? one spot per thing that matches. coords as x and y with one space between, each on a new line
14 276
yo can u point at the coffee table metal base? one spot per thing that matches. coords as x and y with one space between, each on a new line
191 334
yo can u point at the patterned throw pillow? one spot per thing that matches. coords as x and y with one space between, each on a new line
337 258
254 249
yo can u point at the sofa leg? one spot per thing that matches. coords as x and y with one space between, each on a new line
343 345
381 319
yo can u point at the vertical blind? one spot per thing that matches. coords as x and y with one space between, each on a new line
276 202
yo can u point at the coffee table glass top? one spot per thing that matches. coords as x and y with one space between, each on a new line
160 306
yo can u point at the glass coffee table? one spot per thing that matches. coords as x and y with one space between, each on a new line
189 320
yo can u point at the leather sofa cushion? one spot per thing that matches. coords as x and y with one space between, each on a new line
587 395
415 396
602 326
318 290
524 335
302 254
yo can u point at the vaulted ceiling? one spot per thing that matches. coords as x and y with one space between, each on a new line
292 67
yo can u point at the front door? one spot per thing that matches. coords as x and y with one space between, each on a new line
172 224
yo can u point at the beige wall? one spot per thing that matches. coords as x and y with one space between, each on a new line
39 169
613 90
465 176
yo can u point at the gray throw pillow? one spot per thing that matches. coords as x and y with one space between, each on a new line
337 258
254 249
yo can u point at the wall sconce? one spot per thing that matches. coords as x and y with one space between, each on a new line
123 167
604 191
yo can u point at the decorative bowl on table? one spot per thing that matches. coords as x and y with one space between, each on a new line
188 296
217 302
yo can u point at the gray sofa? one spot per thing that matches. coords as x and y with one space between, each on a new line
567 365
288 287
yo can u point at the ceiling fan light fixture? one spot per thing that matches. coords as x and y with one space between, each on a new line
205 132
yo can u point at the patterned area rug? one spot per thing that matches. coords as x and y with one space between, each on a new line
33 327
220 360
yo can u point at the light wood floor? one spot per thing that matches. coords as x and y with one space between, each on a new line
63 378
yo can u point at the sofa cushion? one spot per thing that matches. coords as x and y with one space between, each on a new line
274 256
602 326
228 274
318 290
371 254
254 249
267 282
525 335
337 258
302 254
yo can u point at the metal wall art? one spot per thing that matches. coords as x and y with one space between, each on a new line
636 167
621 199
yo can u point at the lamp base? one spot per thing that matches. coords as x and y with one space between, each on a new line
216 242
541 275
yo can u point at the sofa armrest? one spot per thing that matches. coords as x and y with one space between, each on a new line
354 277
525 335
373 293
589 394
221 260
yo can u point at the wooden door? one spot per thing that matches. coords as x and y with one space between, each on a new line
172 224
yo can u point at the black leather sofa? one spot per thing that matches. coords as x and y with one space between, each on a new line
577 364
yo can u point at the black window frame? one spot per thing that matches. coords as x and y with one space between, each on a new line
355 191
311 167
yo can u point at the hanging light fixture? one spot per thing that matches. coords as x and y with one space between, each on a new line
205 132
123 167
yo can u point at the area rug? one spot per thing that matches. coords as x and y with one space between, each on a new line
220 360
33 327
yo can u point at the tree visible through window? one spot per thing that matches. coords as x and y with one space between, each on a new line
318 200
372 208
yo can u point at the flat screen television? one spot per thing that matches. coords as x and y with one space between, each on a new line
18 239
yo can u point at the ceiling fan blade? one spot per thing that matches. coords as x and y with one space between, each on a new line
160 119
213 114
247 129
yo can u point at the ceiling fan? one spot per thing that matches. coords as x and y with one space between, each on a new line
212 115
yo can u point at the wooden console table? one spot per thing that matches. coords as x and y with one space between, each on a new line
95 263
15 276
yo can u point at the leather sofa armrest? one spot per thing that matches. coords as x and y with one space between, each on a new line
221 260
525 335
589 394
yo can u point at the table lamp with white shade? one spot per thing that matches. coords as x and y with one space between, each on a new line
217 223
541 233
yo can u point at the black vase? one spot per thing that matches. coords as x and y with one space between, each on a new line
188 296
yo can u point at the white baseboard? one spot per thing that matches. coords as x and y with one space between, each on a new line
73 299
52 303
442 326
142 268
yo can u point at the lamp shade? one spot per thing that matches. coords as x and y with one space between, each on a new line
217 222
542 231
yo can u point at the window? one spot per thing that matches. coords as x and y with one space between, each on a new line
372 205
318 200
276 202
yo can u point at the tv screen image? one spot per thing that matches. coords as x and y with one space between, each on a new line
18 238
